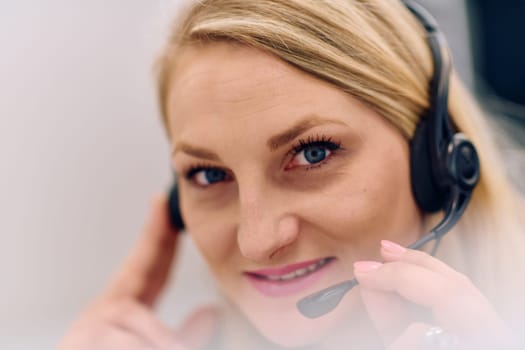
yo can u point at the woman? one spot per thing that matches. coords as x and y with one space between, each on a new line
291 123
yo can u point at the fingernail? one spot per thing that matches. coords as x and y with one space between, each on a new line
366 266
392 247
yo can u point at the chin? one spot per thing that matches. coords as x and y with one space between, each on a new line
294 331
280 323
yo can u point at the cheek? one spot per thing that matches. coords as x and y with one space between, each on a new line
213 233
371 201
214 243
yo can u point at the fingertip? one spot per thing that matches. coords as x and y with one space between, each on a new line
392 247
158 199
364 267
159 204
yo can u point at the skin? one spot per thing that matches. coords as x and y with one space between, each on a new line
273 209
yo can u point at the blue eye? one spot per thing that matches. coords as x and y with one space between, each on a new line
315 154
204 177
313 151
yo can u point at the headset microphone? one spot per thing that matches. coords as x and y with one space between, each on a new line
444 165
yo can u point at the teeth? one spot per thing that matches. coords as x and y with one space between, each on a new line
288 276
299 272
273 278
311 268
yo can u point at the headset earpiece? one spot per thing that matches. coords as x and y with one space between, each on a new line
427 193
432 181
174 208
463 162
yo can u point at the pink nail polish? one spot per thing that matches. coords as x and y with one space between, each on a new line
366 266
392 247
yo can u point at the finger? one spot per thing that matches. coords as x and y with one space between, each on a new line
389 313
444 296
199 329
415 283
394 252
146 270
138 319
103 338
412 338
115 338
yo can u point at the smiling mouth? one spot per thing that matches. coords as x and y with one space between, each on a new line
295 274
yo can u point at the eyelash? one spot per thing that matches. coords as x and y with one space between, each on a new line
301 145
194 169
316 141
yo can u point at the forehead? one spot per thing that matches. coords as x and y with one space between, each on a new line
228 84
219 70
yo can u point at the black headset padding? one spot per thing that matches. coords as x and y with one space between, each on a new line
174 208
426 191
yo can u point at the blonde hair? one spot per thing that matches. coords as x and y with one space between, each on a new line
377 51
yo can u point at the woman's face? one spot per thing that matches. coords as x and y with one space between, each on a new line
285 181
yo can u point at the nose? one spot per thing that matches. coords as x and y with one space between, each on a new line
267 227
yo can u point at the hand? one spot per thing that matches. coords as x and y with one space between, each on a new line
122 317
411 284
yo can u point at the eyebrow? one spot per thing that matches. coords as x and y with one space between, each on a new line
195 151
273 143
297 129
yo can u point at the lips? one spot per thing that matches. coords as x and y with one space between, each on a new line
289 279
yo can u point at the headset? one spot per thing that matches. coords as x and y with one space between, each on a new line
444 166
